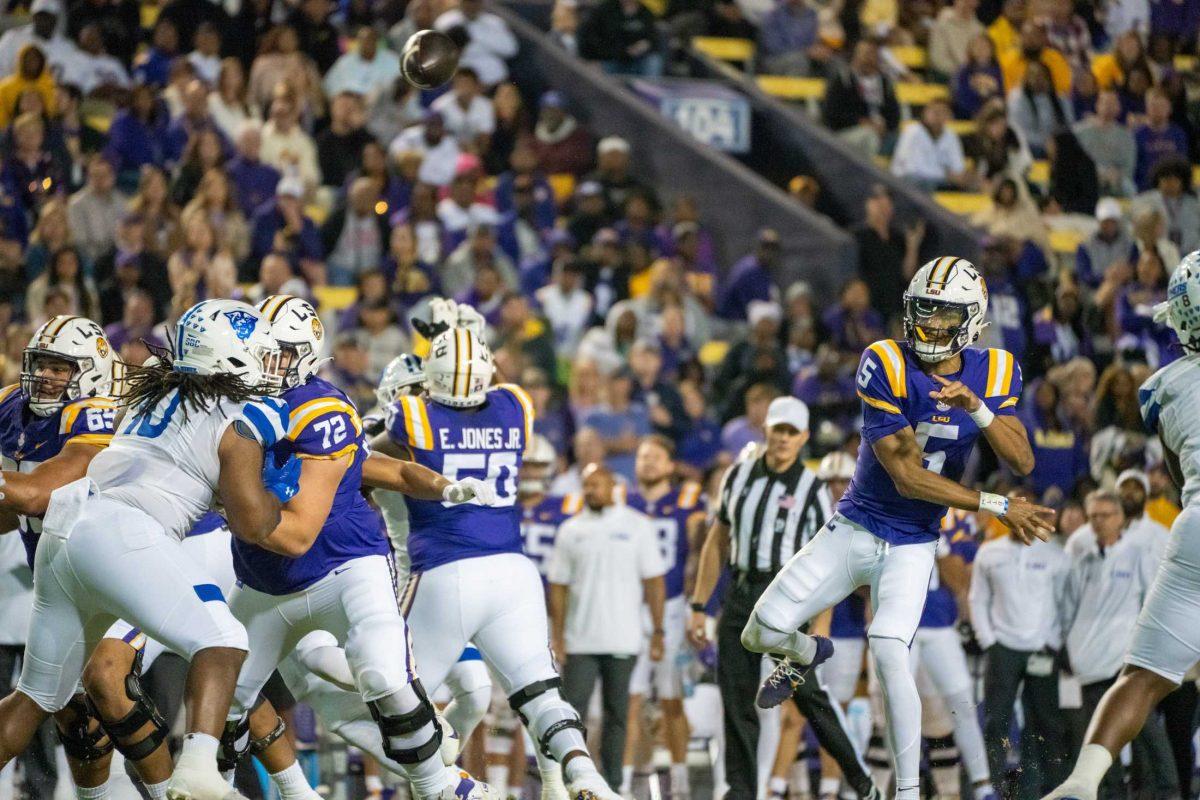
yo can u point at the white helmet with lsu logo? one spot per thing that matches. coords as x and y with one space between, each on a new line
295 326
458 369
77 341
945 308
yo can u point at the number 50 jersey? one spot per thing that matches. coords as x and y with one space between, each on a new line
485 442
895 395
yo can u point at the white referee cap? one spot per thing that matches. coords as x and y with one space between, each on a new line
787 411
1134 475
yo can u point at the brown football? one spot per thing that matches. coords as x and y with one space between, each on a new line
429 59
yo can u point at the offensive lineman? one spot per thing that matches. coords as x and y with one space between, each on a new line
327 566
676 512
194 432
470 580
1166 639
925 402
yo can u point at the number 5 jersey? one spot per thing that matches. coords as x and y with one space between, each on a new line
486 442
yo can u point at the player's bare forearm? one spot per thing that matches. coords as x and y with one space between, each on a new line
558 610
251 511
956 575
406 477
1009 440
695 534
303 517
655 591
29 493
901 456
382 443
712 556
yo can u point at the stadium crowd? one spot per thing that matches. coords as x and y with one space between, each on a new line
155 156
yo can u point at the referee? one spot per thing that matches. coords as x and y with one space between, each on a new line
770 506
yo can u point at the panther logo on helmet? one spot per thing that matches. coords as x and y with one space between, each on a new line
243 323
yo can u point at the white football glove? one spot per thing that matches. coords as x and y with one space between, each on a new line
471 319
443 311
468 489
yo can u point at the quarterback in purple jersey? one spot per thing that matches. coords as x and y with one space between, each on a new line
327 565
675 512
471 580
925 401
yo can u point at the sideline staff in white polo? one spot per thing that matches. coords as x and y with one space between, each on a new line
605 562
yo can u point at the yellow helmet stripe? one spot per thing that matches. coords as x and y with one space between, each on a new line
274 312
470 361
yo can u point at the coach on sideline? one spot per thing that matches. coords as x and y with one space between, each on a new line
770 506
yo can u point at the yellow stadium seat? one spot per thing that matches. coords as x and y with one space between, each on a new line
963 127
1186 63
712 352
911 56
964 203
334 298
1196 174
1039 172
918 94
724 48
563 186
99 122
789 88
1065 241
317 212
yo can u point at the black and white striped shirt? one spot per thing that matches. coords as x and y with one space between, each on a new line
770 515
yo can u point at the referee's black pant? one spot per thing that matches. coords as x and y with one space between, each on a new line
738 675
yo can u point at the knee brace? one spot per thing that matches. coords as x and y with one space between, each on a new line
403 725
260 744
78 739
943 752
143 713
545 713
235 741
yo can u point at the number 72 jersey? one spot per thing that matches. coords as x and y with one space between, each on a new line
895 395
484 442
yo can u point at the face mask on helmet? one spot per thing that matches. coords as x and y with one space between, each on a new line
50 379
273 367
289 358
534 478
936 330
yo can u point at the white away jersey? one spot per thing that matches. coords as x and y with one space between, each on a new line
164 461
1168 401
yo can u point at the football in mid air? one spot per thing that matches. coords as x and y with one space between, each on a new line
430 58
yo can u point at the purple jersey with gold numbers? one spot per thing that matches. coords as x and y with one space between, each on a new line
958 538
539 525
485 442
27 440
670 515
895 395
323 425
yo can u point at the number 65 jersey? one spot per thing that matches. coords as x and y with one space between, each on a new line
895 395
485 442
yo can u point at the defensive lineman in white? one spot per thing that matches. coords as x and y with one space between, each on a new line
470 579
194 432
925 402
1166 639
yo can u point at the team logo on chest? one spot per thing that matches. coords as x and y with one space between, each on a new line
943 406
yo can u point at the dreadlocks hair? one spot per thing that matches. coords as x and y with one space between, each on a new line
145 386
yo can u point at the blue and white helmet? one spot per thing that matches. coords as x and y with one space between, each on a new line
228 337
402 372
1181 312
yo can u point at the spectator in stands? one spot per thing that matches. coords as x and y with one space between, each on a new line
1126 16
667 413
204 152
397 108
1067 33
623 36
887 254
561 143
478 250
522 329
1005 30
951 36
978 80
621 422
1110 145
355 237
152 67
281 61
756 357
512 126
852 323
439 151
317 36
227 103
93 70
1034 47
214 199
44 32
701 442
1134 310
410 278
200 261
1150 233
1111 69
340 146
750 278
929 153
1061 330
285 145
1157 138
283 227
138 134
467 112
350 369
31 74
369 70
153 201
461 209
748 427
31 174
860 102
998 148
1036 111
254 180
130 264
1110 244
489 41
564 26
615 176
788 40
1171 195
566 304
275 276
96 210
135 321
63 274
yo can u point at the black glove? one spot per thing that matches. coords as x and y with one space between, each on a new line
966 633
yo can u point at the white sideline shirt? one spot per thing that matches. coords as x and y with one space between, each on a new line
602 557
